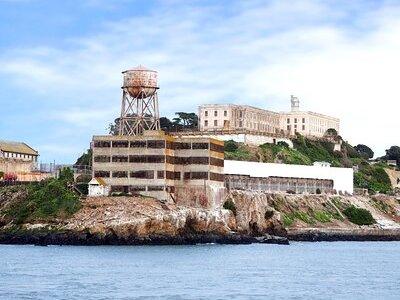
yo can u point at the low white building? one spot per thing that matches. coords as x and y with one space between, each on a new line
98 187
342 177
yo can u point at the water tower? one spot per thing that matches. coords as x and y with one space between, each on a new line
139 109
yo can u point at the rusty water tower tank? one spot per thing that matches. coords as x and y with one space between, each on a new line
140 82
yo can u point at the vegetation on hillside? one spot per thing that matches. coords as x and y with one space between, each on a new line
43 201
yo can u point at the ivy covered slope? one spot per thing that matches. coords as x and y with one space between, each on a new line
307 151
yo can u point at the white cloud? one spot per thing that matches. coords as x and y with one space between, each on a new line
340 58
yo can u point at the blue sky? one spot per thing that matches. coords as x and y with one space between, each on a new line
61 63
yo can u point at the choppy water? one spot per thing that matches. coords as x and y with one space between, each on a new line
341 270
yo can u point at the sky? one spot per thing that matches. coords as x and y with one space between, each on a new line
61 63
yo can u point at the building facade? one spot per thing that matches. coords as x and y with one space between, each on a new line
305 122
231 117
187 170
17 157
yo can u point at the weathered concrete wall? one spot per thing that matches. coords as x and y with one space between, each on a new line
15 166
207 196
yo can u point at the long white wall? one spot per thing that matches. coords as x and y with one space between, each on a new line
342 177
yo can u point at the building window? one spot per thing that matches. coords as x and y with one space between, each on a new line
156 144
240 124
206 113
101 174
102 158
102 144
120 158
180 146
120 144
288 121
240 114
142 174
138 144
199 175
200 146
120 174
295 120
288 127
155 188
304 120
295 126
215 113
225 113
160 174
206 123
303 127
215 123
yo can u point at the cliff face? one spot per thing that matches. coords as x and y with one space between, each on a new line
138 216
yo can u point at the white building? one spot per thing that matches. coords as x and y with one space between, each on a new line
232 117
342 177
98 187
307 123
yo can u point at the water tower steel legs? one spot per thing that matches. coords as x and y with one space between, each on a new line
139 113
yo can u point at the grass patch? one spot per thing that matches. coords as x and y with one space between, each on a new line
287 220
322 216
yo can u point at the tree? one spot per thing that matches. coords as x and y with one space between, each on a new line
331 132
166 124
85 159
185 120
393 153
113 128
66 175
230 146
364 151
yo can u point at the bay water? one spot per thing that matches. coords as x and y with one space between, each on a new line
336 270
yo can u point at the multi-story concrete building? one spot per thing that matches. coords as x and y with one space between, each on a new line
305 122
182 169
231 117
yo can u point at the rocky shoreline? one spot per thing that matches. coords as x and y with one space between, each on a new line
44 238
335 235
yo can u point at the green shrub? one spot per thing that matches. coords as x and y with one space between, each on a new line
359 216
230 146
229 204
283 144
